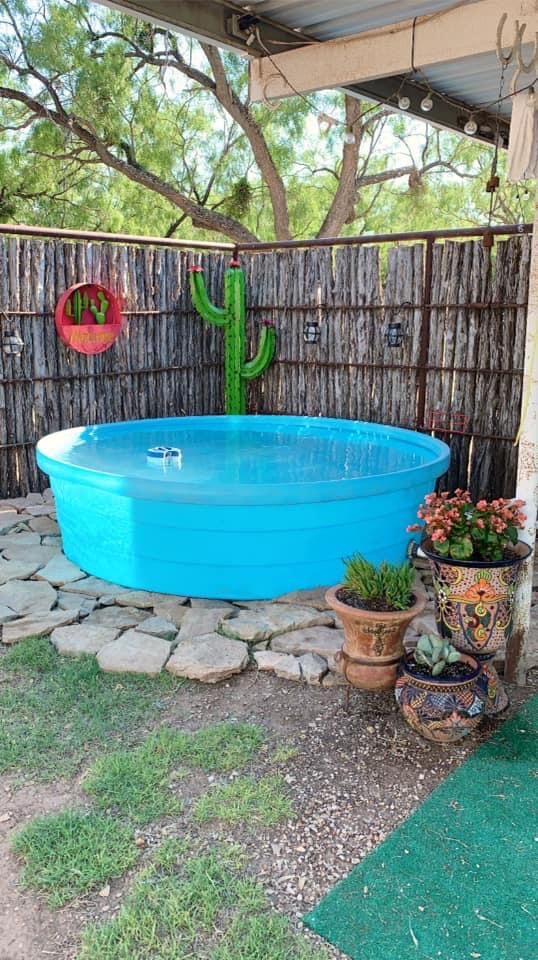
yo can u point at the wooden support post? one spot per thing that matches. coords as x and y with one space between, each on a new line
522 652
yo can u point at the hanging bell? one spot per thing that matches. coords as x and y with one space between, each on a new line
493 184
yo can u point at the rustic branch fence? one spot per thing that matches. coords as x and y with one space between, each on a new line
458 372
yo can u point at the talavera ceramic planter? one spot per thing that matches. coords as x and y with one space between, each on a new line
474 602
443 709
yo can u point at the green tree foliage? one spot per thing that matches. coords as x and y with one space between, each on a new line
110 123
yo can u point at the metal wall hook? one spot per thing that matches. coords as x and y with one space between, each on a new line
515 51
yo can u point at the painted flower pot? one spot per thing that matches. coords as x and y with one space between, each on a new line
474 599
474 603
442 709
373 642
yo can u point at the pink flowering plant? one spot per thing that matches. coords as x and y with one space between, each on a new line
464 530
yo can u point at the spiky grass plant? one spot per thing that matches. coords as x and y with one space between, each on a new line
386 584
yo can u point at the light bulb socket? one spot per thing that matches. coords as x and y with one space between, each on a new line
426 104
404 103
471 127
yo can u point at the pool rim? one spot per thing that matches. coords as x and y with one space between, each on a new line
204 493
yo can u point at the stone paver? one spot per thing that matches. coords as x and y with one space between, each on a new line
424 623
7 614
134 652
120 617
324 641
82 638
28 596
31 553
313 667
334 679
75 601
16 539
308 598
94 587
271 620
269 660
59 570
16 570
44 525
198 622
289 668
159 627
198 603
172 610
209 659
144 598
39 510
36 625
8 520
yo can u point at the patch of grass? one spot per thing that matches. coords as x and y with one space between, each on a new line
133 782
164 914
202 910
264 937
55 712
285 752
136 781
171 852
34 655
221 746
245 799
66 854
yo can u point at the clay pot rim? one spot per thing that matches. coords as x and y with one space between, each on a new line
385 616
521 552
413 671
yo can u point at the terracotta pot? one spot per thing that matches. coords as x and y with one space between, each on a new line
441 709
373 642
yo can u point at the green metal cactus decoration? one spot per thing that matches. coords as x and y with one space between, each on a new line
232 317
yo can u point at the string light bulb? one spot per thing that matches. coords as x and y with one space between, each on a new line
471 127
403 103
349 137
426 104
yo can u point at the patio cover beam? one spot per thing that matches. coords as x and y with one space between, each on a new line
217 22
454 34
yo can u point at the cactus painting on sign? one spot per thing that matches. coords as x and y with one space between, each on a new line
232 316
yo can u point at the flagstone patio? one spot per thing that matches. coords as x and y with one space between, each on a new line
42 593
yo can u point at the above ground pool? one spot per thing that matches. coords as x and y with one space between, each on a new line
237 507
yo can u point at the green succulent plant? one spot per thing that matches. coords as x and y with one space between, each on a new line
387 583
435 653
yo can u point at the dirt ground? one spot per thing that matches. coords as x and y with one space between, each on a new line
356 775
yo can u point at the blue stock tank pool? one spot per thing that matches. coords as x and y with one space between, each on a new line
238 507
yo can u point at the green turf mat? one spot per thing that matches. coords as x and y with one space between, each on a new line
458 879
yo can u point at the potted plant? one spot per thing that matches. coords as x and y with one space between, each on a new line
440 691
375 605
475 557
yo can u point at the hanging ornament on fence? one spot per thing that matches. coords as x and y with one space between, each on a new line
88 318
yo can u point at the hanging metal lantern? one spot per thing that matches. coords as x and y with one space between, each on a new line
311 331
395 331
394 334
12 343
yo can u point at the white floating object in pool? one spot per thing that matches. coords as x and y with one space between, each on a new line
164 457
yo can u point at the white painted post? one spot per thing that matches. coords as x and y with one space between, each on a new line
522 652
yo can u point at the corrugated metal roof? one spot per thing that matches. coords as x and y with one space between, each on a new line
327 19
